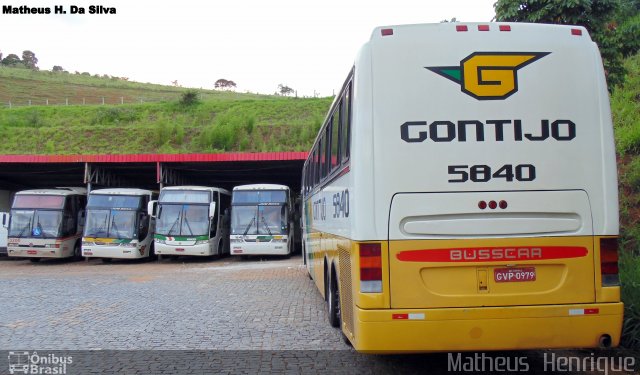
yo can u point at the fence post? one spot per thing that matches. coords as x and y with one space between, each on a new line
103 100
67 101
9 104
29 101
83 101
47 101
122 100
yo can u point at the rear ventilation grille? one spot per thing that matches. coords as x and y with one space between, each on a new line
346 289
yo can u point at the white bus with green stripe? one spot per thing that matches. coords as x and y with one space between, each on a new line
191 220
261 220
117 224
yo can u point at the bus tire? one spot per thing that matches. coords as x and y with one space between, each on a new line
346 339
333 301
77 252
34 260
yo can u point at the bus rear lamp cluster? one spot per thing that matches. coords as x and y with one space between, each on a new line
53 245
370 268
462 28
493 205
609 261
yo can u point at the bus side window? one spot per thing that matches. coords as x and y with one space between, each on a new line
346 124
214 219
68 224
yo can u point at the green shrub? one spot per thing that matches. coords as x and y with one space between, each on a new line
189 98
630 280
631 177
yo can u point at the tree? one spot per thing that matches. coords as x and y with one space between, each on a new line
600 17
30 60
12 60
285 90
224 84
57 69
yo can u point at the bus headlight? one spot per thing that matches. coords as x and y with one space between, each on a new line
162 242
52 245
202 242
130 244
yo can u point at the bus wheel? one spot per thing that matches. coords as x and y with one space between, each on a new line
34 260
77 252
346 339
333 301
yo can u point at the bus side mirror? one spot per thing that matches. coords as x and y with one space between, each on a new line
212 209
5 219
151 208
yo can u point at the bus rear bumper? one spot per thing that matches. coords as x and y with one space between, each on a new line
38 253
487 328
116 252
193 250
276 248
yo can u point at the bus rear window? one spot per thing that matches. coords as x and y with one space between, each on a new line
259 196
114 201
39 201
184 196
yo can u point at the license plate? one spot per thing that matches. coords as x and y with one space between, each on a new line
32 252
506 275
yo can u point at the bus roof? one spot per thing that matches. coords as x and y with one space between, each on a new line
121 191
57 191
261 187
196 188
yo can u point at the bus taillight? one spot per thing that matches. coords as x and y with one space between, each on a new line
370 268
609 261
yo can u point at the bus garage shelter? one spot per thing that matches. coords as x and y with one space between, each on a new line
148 171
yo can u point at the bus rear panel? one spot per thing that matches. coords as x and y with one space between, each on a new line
483 193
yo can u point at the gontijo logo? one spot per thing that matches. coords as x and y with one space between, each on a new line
489 75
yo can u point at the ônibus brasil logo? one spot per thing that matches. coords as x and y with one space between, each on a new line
488 75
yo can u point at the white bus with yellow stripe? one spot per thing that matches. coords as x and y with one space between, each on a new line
462 192
261 220
118 225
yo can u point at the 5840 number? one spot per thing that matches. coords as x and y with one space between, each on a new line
483 173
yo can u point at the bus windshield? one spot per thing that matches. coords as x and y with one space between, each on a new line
254 219
183 220
119 224
35 223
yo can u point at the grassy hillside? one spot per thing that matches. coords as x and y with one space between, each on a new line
222 121
625 105
18 86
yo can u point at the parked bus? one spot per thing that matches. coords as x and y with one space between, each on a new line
118 225
47 223
192 220
261 220
462 195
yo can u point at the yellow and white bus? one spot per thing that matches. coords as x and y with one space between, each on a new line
118 225
462 192
191 220
47 223
261 220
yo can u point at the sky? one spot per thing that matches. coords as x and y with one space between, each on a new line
308 46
